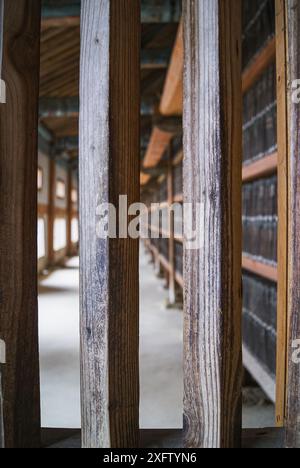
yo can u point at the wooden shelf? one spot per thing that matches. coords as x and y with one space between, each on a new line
261 269
258 372
261 168
259 64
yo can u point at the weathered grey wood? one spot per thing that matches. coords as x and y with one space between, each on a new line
212 177
293 72
18 227
109 166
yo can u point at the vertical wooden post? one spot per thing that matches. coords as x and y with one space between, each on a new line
212 178
170 183
282 288
51 210
109 167
18 227
293 154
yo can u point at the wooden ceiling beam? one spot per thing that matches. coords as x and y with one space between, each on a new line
172 98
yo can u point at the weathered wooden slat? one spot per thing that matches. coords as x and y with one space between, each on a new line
18 228
282 171
212 178
109 167
293 73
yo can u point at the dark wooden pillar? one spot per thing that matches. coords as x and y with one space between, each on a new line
18 227
109 167
292 11
212 178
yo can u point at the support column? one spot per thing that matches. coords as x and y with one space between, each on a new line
212 178
292 11
109 167
18 227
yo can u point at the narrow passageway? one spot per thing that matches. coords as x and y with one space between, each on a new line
160 350
59 347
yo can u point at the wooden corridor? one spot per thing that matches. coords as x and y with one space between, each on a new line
57 81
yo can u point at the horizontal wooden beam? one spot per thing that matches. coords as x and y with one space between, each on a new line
261 168
158 145
260 269
259 64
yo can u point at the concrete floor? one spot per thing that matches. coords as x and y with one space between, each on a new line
160 351
160 354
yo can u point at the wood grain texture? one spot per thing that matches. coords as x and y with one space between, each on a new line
109 166
212 176
18 228
293 73
282 171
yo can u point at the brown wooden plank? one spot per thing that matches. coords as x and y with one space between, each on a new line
109 167
261 168
260 269
63 22
212 177
18 228
281 371
172 100
263 59
293 73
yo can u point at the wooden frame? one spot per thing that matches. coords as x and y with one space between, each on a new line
281 371
212 176
18 230
109 167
